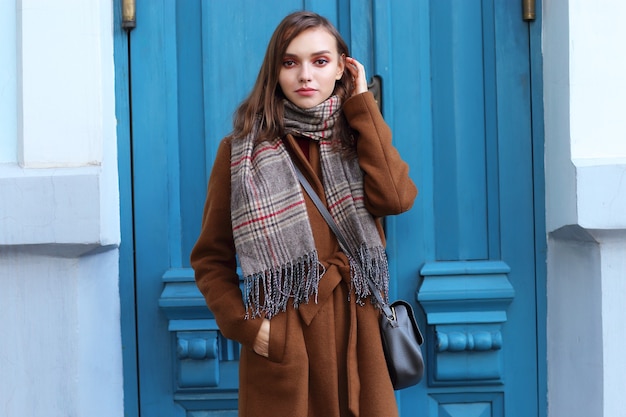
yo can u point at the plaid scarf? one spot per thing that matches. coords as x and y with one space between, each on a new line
271 228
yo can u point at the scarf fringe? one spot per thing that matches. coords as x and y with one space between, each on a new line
372 264
267 293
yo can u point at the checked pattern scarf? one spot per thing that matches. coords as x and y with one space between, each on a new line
271 228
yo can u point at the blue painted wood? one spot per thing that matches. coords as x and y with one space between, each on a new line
466 304
536 65
488 404
193 147
361 34
456 97
155 120
415 239
230 64
459 132
470 292
515 169
401 45
197 359
180 298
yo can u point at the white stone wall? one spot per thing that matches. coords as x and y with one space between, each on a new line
585 135
8 85
60 353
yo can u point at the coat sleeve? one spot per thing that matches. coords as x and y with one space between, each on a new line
388 187
213 257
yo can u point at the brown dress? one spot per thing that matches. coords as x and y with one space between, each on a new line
325 358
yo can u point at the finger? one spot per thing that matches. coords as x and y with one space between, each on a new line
351 66
353 61
356 71
356 67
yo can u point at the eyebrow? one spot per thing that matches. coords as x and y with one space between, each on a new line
324 52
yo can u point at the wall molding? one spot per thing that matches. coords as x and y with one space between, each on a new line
59 209
466 305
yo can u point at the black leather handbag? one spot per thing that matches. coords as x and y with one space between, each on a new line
400 333
402 342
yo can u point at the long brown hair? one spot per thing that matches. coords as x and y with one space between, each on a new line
265 102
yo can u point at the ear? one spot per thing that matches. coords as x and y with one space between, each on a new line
341 67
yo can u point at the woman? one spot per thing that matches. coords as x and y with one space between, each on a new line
306 321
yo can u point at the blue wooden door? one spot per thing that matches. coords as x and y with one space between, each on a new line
456 90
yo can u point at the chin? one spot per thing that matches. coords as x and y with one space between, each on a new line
307 104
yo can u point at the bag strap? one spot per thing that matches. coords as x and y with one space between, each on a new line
343 243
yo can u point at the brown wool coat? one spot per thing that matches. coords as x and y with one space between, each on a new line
325 358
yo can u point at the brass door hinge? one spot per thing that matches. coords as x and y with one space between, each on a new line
528 10
128 15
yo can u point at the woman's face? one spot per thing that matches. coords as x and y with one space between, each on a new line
310 67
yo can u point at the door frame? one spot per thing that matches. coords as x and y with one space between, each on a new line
127 286
541 241
128 318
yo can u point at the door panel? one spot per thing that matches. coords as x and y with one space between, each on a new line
456 92
463 90
477 284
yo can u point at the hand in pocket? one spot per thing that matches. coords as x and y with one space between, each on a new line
262 341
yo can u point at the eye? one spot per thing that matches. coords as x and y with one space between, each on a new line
320 61
288 63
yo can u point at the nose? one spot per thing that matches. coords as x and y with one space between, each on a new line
305 74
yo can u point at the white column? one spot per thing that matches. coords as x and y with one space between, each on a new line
60 90
585 133
61 351
8 84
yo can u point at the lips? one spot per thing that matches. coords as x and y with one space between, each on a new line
307 92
